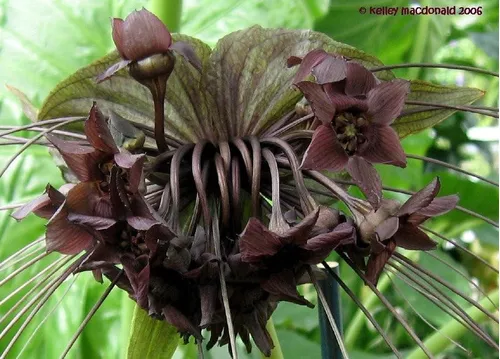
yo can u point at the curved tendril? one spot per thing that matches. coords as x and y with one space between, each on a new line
24 267
224 189
257 163
455 243
453 107
328 313
401 294
89 316
175 184
198 181
389 306
277 221
283 129
225 153
450 166
360 305
401 258
270 131
309 204
245 155
22 255
21 251
438 66
33 140
235 193
463 275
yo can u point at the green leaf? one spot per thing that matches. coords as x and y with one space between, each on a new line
298 346
431 93
151 338
244 86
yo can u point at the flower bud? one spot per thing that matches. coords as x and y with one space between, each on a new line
152 67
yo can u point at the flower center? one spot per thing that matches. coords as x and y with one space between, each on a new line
349 128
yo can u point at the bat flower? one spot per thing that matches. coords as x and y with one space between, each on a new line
355 115
393 226
281 254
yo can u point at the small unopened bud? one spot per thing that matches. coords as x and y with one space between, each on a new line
152 67
373 219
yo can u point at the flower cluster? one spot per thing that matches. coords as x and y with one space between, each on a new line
180 226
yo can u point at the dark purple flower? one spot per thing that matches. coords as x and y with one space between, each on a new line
400 228
355 110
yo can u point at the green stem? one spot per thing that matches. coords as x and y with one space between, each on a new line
437 342
276 353
169 11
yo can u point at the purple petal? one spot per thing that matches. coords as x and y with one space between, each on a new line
421 199
331 69
141 35
187 51
208 302
83 161
376 263
324 151
284 287
39 204
137 271
97 132
383 146
367 179
410 237
180 321
86 198
437 207
133 163
97 223
257 242
319 100
308 62
359 80
320 246
386 101
65 237
299 233
117 25
387 228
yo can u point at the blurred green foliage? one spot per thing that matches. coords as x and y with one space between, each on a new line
45 41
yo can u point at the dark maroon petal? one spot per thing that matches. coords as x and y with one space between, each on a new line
308 62
86 198
208 302
257 327
359 80
387 228
324 151
134 164
39 204
320 246
83 161
386 101
376 263
97 223
180 321
117 25
97 132
319 100
410 237
257 242
383 146
293 61
437 207
299 233
331 69
367 179
421 199
141 35
123 283
65 237
137 271
143 216
283 286
186 50
141 223
112 70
